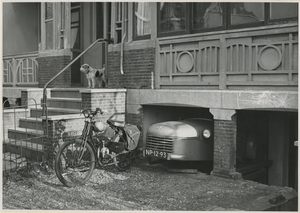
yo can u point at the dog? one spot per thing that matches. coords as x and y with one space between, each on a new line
94 76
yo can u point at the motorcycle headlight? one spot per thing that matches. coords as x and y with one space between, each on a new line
206 133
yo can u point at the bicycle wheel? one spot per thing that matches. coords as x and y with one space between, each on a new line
124 162
74 163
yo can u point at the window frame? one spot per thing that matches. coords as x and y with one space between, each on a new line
57 32
134 36
174 33
226 20
246 25
223 6
45 22
273 21
75 8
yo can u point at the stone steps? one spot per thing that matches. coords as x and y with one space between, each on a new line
65 93
67 103
31 123
27 139
25 134
38 112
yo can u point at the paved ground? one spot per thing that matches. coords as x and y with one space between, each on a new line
145 187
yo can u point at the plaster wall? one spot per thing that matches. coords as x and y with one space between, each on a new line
20 27
215 99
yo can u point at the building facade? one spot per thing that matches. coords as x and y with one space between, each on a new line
237 62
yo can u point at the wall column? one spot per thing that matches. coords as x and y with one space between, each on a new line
225 129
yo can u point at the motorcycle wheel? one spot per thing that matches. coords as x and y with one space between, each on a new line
74 163
124 162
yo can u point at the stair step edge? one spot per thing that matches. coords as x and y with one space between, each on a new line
25 144
31 119
59 109
22 130
65 99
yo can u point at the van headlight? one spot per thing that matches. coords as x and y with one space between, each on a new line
206 133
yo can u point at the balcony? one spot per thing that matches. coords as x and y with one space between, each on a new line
20 70
253 59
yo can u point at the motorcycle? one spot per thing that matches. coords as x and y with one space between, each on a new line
107 144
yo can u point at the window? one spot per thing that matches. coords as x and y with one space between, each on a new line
184 18
246 13
49 25
54 25
172 18
142 20
75 26
99 20
62 25
207 15
283 10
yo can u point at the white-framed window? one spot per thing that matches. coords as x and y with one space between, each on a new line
48 8
55 25
142 20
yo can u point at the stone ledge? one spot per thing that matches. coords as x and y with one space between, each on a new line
101 90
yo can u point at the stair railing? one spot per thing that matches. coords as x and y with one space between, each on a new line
45 111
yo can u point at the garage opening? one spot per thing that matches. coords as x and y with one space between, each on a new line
175 132
266 150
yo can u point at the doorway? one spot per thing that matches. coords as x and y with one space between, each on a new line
76 42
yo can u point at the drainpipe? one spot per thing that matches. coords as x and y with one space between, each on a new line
124 24
152 80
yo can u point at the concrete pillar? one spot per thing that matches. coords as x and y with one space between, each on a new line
225 128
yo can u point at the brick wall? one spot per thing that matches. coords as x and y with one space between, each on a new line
50 66
138 66
136 119
111 101
225 149
58 132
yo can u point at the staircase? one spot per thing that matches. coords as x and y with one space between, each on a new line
26 140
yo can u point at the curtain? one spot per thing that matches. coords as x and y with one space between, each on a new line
143 18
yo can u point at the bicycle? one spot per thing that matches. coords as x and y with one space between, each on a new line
76 159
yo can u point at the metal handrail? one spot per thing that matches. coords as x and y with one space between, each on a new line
45 111
66 67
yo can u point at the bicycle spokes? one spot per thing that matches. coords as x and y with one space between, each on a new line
74 163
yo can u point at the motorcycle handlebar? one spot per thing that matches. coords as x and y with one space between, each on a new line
88 113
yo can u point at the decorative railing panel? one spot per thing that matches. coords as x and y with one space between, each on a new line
197 65
238 60
270 62
20 69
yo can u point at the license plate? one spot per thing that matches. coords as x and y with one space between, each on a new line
155 153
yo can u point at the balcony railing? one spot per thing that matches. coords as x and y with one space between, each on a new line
20 70
241 59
